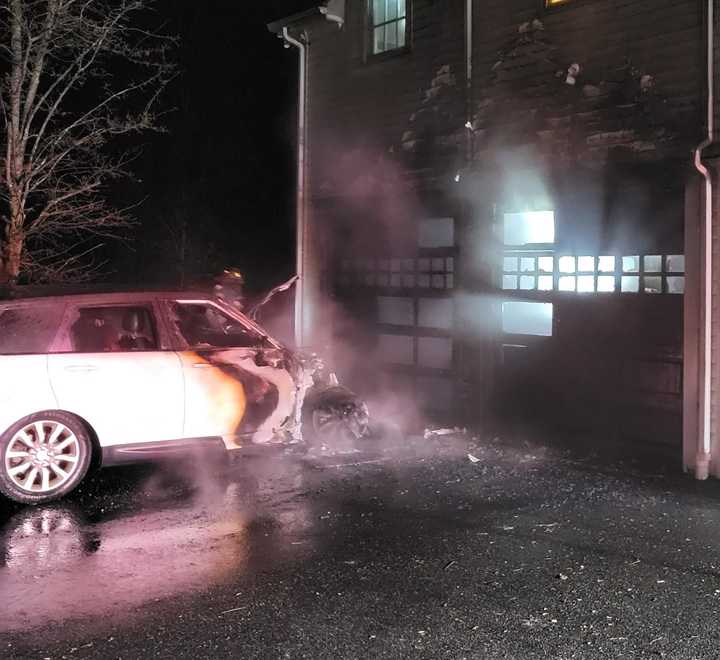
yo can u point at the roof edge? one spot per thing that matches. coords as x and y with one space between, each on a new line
277 26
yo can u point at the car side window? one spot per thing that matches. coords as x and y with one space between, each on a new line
110 329
204 325
29 329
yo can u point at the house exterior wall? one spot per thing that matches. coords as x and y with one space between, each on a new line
389 146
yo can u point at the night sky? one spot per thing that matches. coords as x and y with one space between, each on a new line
223 175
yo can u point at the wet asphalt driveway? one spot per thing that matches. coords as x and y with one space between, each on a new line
416 552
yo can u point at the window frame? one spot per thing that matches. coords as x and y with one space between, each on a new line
63 339
369 31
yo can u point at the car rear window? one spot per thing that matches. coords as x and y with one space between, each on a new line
27 330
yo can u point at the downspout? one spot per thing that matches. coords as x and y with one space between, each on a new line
702 464
301 221
468 79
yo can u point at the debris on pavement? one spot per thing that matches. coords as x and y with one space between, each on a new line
436 433
473 459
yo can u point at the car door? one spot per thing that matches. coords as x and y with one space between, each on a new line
237 384
112 367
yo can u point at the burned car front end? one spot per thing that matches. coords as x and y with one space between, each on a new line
324 412
330 413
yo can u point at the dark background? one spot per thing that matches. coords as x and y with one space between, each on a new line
220 181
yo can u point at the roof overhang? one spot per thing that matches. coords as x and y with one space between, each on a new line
332 10
293 20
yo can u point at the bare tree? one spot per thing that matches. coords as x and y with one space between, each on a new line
79 75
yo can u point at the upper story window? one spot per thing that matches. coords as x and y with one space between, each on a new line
388 19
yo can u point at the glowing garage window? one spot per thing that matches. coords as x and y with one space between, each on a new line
586 264
652 264
567 283
676 285
675 263
527 318
631 264
566 264
606 284
533 227
652 284
545 283
546 264
606 264
630 284
586 284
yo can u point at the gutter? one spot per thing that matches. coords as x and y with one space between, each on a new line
301 224
702 462
468 79
333 11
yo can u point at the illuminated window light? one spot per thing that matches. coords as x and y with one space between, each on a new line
567 265
556 3
566 283
527 282
652 284
606 284
606 264
630 283
586 264
676 285
652 264
510 282
546 264
675 263
631 264
527 318
586 284
510 264
545 283
527 265
530 228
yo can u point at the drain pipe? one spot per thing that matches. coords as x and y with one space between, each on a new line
301 221
702 464
470 129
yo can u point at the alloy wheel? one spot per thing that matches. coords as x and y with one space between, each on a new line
42 456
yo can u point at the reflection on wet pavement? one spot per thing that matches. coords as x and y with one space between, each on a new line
79 558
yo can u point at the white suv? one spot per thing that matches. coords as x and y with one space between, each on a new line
122 377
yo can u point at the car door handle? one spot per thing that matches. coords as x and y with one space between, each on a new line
80 368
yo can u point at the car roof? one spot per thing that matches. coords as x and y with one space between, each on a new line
23 298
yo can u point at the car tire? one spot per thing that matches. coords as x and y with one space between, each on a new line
323 427
43 457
